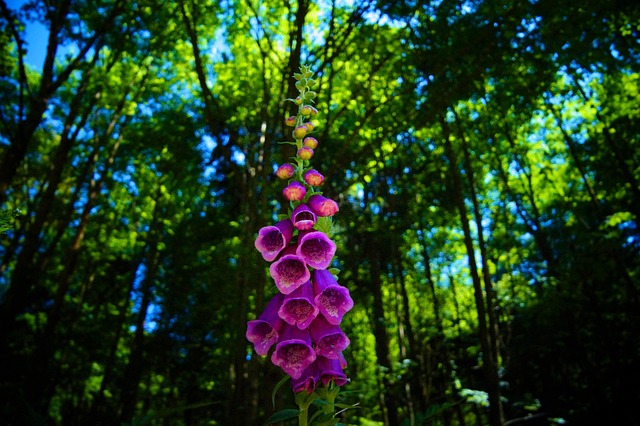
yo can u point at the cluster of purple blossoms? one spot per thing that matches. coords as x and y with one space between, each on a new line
303 319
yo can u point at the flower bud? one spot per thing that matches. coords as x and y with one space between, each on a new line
300 132
313 177
290 121
322 206
305 153
298 100
295 191
310 126
306 110
314 111
310 142
285 171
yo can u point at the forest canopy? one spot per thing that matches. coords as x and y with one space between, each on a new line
484 156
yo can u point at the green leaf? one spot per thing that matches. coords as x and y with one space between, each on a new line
282 415
276 388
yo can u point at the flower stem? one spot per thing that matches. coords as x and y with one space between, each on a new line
304 414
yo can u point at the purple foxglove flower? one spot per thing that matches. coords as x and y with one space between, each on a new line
273 239
316 249
298 307
330 340
331 369
295 191
303 217
323 206
294 352
264 331
308 380
332 299
290 271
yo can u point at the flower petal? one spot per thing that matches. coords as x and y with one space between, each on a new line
303 217
273 239
323 206
294 352
329 339
289 272
332 299
263 332
331 369
298 307
316 249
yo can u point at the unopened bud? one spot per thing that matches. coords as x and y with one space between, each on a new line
300 132
310 142
290 121
295 191
305 153
285 171
313 177
306 110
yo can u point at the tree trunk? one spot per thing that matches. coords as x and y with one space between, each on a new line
133 370
389 407
490 368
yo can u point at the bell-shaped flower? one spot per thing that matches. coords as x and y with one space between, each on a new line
331 369
294 352
264 332
323 206
273 239
295 191
332 299
308 380
303 217
298 307
289 271
329 339
316 249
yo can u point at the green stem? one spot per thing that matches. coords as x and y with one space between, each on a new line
304 414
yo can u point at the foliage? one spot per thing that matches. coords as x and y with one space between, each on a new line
485 159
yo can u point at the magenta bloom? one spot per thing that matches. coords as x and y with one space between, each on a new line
295 191
323 206
331 369
289 272
316 249
332 299
303 217
330 340
294 352
273 239
298 307
264 332
308 380
313 177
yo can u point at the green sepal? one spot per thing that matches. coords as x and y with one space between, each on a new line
282 415
335 272
276 388
297 76
303 399
283 217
